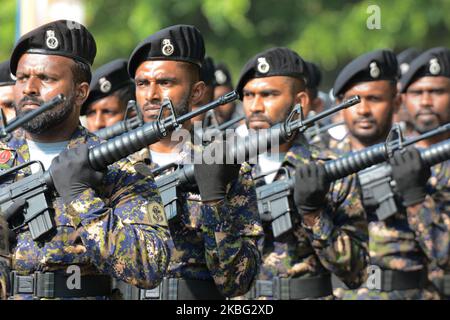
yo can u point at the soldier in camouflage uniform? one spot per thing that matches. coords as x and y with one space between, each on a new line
316 105
109 92
426 94
7 106
396 254
214 251
6 91
329 232
5 258
107 223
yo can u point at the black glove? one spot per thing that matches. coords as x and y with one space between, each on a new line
12 217
72 173
311 187
14 209
5 235
411 175
212 179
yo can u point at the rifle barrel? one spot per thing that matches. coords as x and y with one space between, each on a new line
21 120
227 98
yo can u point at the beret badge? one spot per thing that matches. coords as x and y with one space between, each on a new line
50 40
263 66
435 68
374 70
105 85
167 47
220 76
404 67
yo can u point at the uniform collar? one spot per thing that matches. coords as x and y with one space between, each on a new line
20 153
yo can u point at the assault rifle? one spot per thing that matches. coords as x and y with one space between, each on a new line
36 188
274 199
182 178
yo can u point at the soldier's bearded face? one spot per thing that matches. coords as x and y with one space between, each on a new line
104 113
208 96
39 79
225 111
370 120
268 101
159 79
428 102
7 101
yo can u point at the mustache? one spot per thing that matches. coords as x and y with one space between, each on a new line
259 117
364 119
28 99
426 112
150 105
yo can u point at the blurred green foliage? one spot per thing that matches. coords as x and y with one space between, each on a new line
328 32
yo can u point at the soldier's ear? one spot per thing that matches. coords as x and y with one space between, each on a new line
198 90
303 98
81 92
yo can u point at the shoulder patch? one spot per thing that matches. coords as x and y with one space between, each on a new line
7 159
156 214
5 155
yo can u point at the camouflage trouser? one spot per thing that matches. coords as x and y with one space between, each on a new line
428 293
440 279
4 279
267 298
4 258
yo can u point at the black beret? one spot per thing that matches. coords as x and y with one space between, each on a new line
207 72
106 80
433 62
179 43
62 38
314 75
223 75
270 63
372 66
6 78
405 58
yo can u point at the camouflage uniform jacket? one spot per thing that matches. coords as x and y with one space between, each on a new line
337 243
432 221
216 242
112 231
400 242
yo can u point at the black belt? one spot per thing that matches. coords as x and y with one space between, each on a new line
443 284
55 285
173 289
391 280
292 288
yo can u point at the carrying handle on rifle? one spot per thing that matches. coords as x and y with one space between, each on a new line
394 140
132 106
298 123
286 173
171 118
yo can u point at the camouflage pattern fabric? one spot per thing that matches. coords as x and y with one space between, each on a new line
216 242
120 230
336 244
396 243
